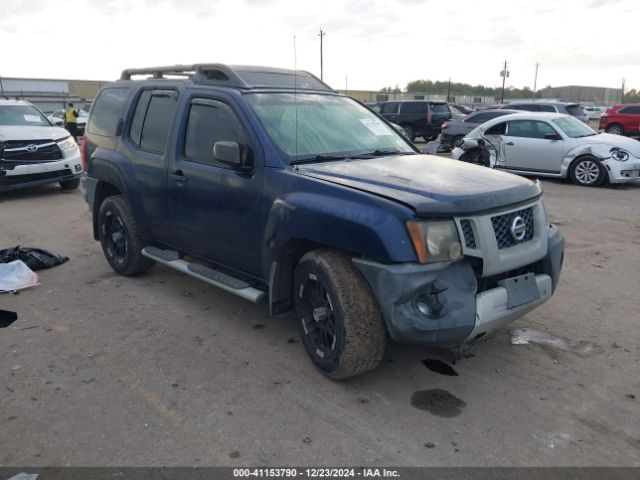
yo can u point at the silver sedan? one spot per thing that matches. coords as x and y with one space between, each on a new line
552 145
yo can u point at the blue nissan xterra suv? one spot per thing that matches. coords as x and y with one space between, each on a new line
268 184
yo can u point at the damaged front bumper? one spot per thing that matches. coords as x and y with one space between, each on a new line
443 305
622 172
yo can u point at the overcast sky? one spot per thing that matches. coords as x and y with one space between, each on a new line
374 43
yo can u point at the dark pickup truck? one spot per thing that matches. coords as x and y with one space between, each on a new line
268 184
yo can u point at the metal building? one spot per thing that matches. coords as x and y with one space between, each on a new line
51 94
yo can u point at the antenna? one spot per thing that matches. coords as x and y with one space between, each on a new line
295 89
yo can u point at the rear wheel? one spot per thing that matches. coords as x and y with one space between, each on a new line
615 129
121 242
409 132
339 320
70 184
587 172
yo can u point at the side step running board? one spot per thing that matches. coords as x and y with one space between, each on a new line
206 274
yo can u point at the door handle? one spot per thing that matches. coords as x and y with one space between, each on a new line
509 143
178 176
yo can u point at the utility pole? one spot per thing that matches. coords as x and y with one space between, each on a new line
449 91
504 74
535 80
321 35
622 93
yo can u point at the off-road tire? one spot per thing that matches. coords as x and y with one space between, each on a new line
70 184
132 262
578 171
360 338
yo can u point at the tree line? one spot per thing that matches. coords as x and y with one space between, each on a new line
456 88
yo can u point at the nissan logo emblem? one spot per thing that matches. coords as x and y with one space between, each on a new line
518 228
32 148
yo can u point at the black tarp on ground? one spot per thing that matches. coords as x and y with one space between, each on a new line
35 258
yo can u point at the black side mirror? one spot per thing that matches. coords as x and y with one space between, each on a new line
228 153
552 136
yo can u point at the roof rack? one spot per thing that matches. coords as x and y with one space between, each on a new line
234 76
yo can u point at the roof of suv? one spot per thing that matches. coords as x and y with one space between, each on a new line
537 102
242 77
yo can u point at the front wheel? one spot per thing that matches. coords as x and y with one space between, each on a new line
121 242
457 141
339 319
587 172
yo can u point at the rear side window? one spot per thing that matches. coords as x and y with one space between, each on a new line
478 118
498 129
526 108
138 117
439 108
635 110
107 111
155 129
209 122
547 108
389 108
415 107
574 110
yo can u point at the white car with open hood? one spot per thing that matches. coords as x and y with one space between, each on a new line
552 145
33 151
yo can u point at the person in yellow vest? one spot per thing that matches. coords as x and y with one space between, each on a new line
71 121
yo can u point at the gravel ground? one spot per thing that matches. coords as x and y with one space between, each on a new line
162 369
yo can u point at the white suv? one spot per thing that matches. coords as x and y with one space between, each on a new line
33 151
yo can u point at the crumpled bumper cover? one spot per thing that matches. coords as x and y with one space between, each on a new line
451 289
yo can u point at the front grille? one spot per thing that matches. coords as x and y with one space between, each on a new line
14 152
502 225
467 232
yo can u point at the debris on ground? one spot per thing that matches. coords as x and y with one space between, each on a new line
7 317
524 336
439 366
34 258
25 476
16 275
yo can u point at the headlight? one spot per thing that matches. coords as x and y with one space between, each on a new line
435 241
619 154
67 144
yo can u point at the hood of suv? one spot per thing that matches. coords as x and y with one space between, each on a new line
433 186
21 132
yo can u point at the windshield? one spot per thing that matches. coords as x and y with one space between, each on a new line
22 115
575 110
573 128
327 126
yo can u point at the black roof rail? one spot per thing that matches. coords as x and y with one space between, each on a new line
235 76
199 73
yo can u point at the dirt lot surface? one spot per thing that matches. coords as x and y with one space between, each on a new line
165 370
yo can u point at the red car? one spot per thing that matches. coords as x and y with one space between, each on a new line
623 119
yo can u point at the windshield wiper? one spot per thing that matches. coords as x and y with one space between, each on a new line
318 159
381 153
